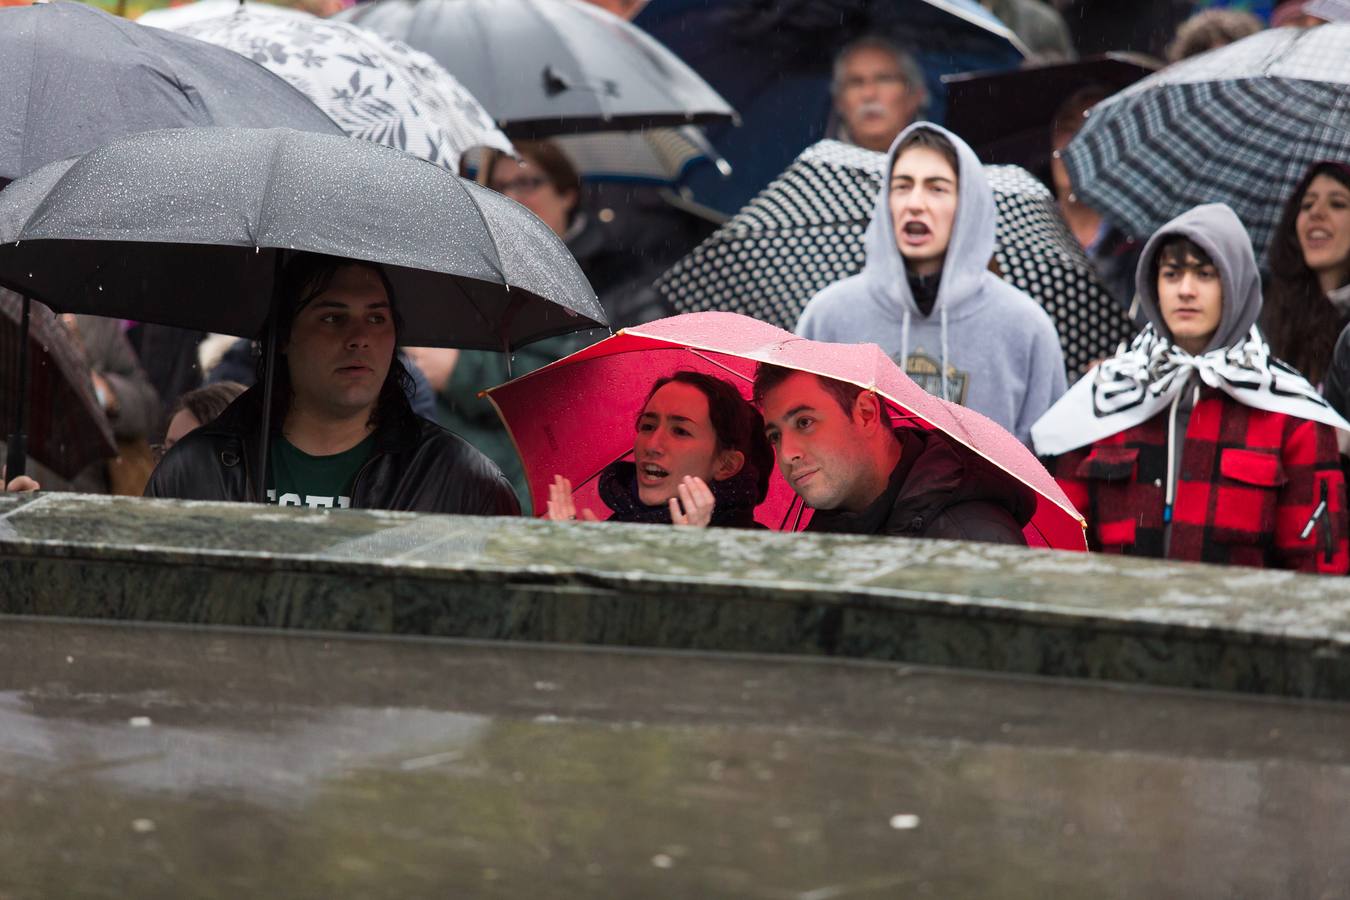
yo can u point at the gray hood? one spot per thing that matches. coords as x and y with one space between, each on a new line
968 253
1217 230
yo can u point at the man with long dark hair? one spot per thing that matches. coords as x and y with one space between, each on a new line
342 431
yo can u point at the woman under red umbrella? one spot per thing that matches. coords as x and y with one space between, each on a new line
700 458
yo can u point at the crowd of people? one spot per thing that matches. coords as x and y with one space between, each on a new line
1214 436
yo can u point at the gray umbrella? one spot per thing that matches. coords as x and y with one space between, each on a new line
181 227
76 77
545 67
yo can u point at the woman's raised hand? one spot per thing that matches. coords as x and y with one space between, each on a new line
560 505
694 505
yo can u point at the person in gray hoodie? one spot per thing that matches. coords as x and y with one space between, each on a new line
927 296
1194 443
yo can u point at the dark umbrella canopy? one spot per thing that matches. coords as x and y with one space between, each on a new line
1006 116
545 67
805 232
66 427
76 77
181 227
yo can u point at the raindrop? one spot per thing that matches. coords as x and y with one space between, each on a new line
662 861
904 822
139 722
142 826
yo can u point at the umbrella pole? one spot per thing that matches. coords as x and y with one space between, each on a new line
269 364
16 464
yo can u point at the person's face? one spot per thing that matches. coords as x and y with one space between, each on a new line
675 438
181 423
341 345
526 183
923 208
820 449
874 101
624 9
1190 295
1323 227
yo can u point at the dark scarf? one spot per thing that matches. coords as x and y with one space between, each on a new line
736 498
925 291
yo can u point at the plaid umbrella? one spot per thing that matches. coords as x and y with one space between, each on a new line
66 427
1238 125
805 231
375 88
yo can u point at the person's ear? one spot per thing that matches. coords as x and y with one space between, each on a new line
729 463
570 198
866 410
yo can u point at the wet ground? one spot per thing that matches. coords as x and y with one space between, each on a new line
167 762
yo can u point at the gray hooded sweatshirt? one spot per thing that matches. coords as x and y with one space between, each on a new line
985 345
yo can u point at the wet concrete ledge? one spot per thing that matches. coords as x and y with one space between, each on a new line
938 603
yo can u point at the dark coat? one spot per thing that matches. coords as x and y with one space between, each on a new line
1248 483
416 466
734 499
935 493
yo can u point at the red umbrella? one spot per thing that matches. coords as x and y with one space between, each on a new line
576 416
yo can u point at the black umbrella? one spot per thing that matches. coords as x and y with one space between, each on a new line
76 77
805 231
1006 115
546 67
188 227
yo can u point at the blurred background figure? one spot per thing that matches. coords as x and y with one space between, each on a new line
1210 29
1038 25
1308 298
1112 253
878 92
194 409
128 399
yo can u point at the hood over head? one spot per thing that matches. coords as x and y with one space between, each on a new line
1217 230
972 240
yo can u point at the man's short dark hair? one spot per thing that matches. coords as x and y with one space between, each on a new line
909 69
768 377
1178 250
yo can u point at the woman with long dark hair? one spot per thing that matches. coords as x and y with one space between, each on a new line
1308 301
700 458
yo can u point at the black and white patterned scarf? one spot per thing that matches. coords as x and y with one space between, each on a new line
1142 380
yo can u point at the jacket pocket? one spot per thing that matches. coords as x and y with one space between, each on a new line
1109 464
1248 496
1110 475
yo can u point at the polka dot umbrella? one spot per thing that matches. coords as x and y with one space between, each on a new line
805 231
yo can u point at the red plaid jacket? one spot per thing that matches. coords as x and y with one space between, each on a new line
1249 483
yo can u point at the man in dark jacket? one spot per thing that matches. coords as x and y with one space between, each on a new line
343 433
837 449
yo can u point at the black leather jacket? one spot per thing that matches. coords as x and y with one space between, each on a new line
416 466
936 493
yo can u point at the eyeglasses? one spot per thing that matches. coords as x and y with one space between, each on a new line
157 451
857 82
520 185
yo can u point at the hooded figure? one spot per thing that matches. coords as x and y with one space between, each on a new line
1194 443
959 331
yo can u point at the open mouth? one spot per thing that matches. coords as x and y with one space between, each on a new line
917 229
650 473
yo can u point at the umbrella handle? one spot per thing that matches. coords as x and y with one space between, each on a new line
269 364
17 450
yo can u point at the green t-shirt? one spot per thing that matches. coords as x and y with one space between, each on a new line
319 482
